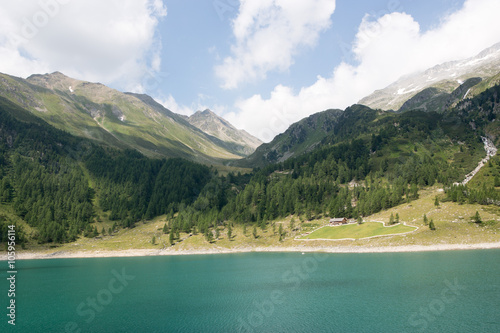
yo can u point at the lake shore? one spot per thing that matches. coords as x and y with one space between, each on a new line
24 255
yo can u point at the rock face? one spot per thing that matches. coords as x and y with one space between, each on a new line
444 78
212 124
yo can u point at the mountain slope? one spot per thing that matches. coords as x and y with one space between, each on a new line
94 111
368 161
438 100
445 78
300 137
59 184
242 142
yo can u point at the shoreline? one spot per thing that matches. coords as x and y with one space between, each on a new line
28 255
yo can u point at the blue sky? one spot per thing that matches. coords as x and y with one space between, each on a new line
195 36
261 64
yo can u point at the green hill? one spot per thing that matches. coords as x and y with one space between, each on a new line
94 111
352 163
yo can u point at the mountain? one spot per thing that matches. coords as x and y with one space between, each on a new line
239 141
435 99
433 85
59 184
366 161
300 137
123 120
347 163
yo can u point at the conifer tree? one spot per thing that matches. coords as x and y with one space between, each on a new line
171 237
476 218
431 225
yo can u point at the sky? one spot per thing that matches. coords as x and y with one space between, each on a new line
260 64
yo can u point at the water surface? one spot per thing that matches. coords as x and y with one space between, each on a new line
453 291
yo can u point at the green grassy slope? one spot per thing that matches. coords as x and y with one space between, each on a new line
357 231
94 111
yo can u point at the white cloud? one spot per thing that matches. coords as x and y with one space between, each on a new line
170 103
269 33
112 42
385 49
199 104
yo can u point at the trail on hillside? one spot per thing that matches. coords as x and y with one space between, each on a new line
491 151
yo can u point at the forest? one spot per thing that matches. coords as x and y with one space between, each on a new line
60 185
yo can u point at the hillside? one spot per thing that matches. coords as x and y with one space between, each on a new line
352 163
437 81
57 185
94 111
300 137
240 141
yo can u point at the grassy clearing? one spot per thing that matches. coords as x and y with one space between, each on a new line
357 231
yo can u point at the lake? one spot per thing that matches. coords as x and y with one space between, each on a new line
452 291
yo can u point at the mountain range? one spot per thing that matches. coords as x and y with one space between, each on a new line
76 155
435 84
137 121
125 120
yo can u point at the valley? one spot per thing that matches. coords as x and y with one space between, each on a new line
87 170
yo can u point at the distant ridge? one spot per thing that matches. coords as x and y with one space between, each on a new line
114 118
445 78
210 123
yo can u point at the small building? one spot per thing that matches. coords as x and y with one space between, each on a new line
338 221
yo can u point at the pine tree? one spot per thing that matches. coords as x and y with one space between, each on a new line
244 229
229 231
153 240
431 225
165 229
292 224
476 218
254 231
280 232
426 221
217 233
397 218
436 201
391 219
209 235
171 237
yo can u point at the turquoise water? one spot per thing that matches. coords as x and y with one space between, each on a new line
455 291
